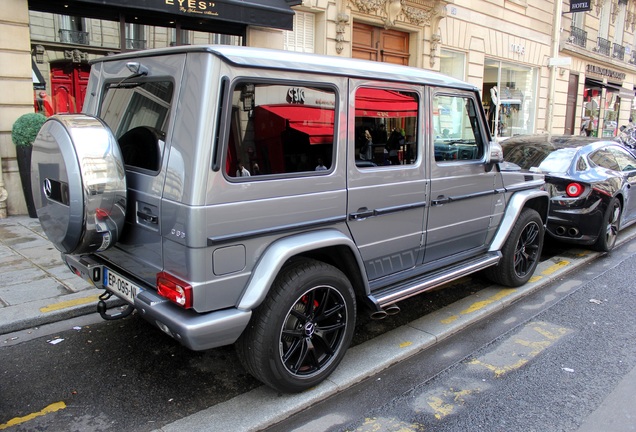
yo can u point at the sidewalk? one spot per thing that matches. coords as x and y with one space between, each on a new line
36 288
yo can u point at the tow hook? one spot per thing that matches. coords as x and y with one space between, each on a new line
102 308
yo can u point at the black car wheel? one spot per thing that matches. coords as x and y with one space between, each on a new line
521 252
300 333
611 224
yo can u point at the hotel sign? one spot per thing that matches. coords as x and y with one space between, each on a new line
605 72
580 6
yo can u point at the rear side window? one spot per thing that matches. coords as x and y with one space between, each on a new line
385 127
457 135
279 129
138 113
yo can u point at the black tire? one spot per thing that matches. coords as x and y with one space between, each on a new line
300 333
611 225
521 252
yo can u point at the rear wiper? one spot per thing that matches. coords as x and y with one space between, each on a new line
137 69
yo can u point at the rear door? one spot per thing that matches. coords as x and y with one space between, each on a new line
462 193
386 183
139 111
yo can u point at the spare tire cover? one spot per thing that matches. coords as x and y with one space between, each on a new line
79 183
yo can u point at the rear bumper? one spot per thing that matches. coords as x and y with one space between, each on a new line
197 331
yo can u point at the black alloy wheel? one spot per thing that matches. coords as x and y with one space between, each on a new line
301 331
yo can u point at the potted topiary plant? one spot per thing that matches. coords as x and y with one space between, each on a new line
24 131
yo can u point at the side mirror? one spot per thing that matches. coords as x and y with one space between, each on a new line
496 153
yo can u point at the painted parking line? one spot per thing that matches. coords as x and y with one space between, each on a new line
519 349
48 410
479 305
69 303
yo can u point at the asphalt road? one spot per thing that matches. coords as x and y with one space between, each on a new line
91 375
544 364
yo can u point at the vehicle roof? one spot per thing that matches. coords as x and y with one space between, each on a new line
556 141
304 62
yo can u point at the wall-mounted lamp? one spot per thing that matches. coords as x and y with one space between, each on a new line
247 97
39 54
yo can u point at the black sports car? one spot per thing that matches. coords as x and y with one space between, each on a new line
591 181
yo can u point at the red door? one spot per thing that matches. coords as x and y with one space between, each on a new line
68 86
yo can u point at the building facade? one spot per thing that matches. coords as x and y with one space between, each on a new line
541 68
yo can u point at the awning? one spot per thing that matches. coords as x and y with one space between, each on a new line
210 16
371 102
316 122
38 80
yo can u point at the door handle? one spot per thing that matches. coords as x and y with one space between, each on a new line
442 199
362 213
148 217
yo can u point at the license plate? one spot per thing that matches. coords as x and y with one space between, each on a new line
121 286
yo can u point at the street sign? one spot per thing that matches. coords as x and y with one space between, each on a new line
560 61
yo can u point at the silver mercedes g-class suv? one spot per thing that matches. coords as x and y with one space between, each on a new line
233 195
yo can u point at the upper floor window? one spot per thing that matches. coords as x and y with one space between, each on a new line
385 127
452 63
135 36
280 128
73 30
301 39
180 37
457 135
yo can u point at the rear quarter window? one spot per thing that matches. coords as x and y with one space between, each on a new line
280 129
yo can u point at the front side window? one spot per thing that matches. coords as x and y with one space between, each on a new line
386 126
279 129
457 135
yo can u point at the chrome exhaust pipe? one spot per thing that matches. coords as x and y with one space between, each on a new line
391 309
573 232
379 315
560 230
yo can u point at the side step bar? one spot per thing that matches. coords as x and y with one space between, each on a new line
395 293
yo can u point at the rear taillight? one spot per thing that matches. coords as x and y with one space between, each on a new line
174 290
574 190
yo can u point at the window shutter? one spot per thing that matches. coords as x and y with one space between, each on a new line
301 39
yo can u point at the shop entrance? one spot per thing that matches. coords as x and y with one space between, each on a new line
378 44
600 102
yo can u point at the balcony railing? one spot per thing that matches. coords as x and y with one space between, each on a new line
618 51
578 36
74 36
603 46
135 44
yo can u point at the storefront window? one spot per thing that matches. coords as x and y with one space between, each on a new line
452 63
600 101
509 97
591 109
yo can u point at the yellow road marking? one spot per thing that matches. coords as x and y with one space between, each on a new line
19 420
479 305
388 424
69 303
442 408
554 267
518 350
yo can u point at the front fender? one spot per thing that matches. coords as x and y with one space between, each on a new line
534 198
282 250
